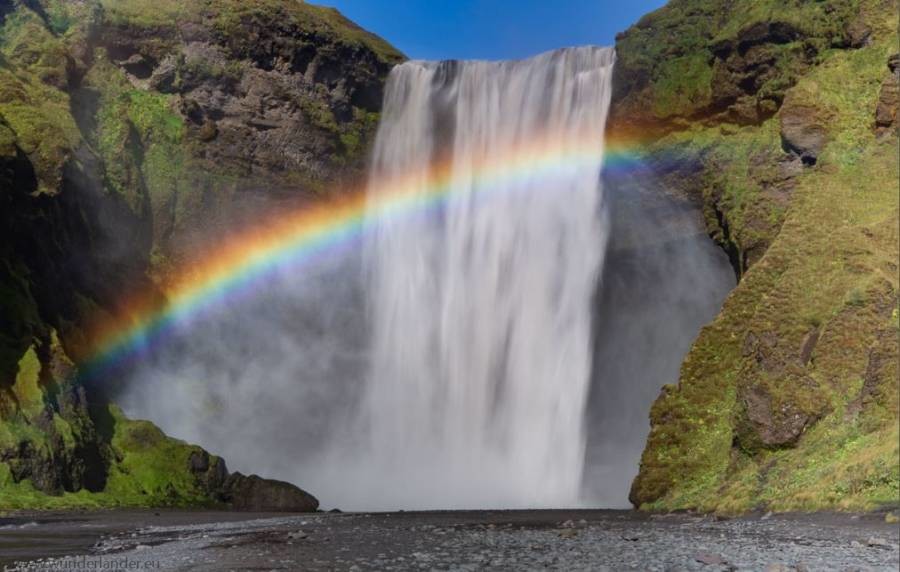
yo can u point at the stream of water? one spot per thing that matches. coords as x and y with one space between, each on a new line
481 310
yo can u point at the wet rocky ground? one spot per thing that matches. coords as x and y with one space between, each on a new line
476 540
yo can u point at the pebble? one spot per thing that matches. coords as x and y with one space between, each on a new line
709 558
299 535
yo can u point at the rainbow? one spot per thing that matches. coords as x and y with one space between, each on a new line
313 231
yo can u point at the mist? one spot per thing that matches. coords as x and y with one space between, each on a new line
663 280
322 376
268 381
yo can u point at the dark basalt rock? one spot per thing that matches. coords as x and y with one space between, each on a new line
210 472
254 493
803 131
764 423
248 493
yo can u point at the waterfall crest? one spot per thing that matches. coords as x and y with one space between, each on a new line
480 311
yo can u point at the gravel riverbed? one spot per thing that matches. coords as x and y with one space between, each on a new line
471 540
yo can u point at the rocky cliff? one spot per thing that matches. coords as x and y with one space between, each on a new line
131 132
778 120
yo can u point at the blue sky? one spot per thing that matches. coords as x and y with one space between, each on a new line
492 29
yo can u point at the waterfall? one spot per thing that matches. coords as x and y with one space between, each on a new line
453 371
480 309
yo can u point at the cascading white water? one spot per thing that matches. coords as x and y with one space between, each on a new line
465 381
481 310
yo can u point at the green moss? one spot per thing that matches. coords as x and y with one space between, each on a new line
232 16
683 84
739 166
828 269
26 43
33 68
823 264
198 69
139 136
146 467
159 14
27 389
152 114
319 114
840 467
672 62
153 469
821 19
60 16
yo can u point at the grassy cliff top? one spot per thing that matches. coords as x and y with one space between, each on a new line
227 16
698 58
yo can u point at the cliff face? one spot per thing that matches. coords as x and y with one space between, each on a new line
130 131
778 119
231 103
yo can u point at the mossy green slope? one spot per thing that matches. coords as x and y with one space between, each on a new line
69 454
788 400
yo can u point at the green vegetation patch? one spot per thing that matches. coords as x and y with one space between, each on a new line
151 469
684 84
826 286
695 58
147 468
32 105
139 136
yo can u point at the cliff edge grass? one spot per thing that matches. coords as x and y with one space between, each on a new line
788 400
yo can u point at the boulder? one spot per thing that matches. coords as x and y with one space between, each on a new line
859 34
888 99
772 426
803 131
254 493
164 76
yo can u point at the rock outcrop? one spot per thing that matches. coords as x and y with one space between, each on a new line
254 493
716 61
889 99
803 130
265 105
131 133
247 493
762 115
